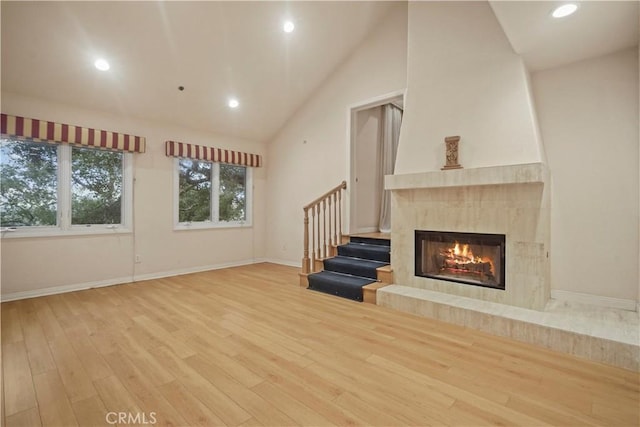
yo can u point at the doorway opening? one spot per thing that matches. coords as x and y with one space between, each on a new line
374 134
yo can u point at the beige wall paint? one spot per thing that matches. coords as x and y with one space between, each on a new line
30 264
309 155
463 78
588 115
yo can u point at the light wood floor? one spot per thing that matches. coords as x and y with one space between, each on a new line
247 346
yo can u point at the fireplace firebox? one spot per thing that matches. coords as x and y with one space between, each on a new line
470 258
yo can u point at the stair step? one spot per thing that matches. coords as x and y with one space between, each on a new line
371 241
354 266
369 292
366 251
342 285
385 274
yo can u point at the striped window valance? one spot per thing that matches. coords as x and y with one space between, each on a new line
200 152
41 130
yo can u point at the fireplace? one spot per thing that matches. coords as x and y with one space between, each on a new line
469 258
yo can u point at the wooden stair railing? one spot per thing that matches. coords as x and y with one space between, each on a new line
322 218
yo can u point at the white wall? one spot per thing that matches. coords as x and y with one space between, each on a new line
30 265
588 114
309 155
464 79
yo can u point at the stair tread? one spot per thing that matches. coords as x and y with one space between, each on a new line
342 285
366 251
342 259
371 240
341 277
380 248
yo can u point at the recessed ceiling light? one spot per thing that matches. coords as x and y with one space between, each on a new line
288 26
564 10
233 103
101 64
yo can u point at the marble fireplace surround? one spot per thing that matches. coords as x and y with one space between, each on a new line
512 200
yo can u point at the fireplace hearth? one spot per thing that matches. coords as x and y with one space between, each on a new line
470 258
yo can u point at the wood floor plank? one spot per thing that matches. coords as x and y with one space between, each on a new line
549 412
91 412
192 410
462 397
92 361
144 392
53 403
50 325
258 407
19 394
164 336
225 408
40 358
229 411
298 412
27 418
246 346
11 326
366 411
115 397
279 370
76 382
418 405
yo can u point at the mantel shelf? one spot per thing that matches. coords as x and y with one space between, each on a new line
494 175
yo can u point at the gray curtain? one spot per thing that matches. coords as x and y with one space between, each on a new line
390 132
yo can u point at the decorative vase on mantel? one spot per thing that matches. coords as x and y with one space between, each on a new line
451 143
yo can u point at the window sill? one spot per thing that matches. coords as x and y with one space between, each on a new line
94 230
210 226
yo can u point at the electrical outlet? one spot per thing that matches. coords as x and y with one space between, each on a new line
138 259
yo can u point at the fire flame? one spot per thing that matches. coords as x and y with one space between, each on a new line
459 259
465 255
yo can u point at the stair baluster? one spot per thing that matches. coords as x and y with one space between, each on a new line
335 224
339 219
329 242
318 234
313 240
325 247
321 247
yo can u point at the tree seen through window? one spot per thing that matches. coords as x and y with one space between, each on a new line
211 192
32 195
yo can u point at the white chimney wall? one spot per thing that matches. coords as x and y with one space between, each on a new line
463 78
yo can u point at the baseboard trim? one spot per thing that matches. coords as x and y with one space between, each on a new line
283 262
190 270
597 300
14 296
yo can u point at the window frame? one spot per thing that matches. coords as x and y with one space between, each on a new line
214 223
63 226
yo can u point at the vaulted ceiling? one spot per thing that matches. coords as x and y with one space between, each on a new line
217 50
597 28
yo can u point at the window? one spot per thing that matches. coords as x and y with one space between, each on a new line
96 186
212 194
29 187
59 188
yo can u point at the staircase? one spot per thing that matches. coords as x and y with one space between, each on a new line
356 269
333 263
